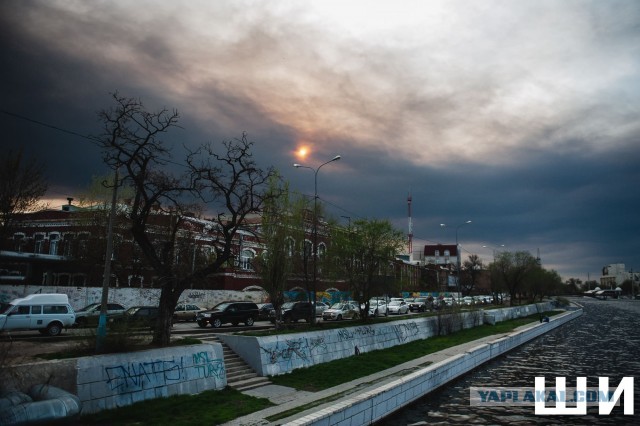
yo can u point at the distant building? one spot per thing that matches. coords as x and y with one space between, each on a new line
615 274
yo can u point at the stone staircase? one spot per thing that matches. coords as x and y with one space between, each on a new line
240 375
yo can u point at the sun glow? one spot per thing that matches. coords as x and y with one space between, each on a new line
302 152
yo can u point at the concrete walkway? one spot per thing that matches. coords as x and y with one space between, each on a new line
290 398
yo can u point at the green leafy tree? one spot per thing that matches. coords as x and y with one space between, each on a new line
542 282
510 270
364 256
275 263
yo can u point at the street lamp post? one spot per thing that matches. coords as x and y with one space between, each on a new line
314 251
458 256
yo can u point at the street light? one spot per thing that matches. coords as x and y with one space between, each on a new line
315 225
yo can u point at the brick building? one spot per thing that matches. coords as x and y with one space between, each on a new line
66 247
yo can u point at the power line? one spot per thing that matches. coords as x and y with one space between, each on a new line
74 133
51 126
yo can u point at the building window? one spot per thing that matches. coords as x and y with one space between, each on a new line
54 239
308 249
83 245
67 245
38 243
246 260
79 280
63 279
322 249
19 241
135 281
290 246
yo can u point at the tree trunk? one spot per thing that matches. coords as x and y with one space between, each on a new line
168 301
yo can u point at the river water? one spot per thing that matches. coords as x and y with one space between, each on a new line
604 341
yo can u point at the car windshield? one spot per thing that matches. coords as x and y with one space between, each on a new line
132 311
394 303
338 306
287 305
5 308
90 307
221 307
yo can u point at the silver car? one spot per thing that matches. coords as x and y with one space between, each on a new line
340 311
377 307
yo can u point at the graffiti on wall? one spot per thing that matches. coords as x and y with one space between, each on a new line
292 349
138 375
401 332
304 349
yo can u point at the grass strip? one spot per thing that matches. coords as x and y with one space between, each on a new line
206 408
334 373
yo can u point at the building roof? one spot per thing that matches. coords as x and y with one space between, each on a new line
430 249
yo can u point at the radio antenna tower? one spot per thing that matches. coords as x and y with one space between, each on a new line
410 234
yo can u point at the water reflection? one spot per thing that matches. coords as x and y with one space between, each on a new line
604 341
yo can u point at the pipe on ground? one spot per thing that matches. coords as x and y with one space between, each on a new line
49 403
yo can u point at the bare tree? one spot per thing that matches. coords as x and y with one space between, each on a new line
230 182
471 268
22 184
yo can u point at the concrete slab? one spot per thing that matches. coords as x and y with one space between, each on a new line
278 394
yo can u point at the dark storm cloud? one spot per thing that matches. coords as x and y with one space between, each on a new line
519 116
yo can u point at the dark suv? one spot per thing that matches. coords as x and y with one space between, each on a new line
418 304
229 312
294 311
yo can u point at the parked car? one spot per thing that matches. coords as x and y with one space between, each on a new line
377 307
398 307
186 312
263 311
448 301
137 316
467 300
321 307
418 304
341 311
293 311
229 312
91 313
47 313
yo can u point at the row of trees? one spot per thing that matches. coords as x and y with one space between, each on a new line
361 255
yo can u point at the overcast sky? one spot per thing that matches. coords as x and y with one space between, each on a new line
521 116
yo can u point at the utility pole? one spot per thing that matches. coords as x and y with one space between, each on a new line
102 321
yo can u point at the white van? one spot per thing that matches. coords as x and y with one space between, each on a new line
47 313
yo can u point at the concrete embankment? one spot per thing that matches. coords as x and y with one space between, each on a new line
371 398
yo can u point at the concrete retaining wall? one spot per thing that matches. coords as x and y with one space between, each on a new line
110 381
79 297
274 355
59 373
372 406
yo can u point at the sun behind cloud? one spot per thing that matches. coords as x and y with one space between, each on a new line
302 152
